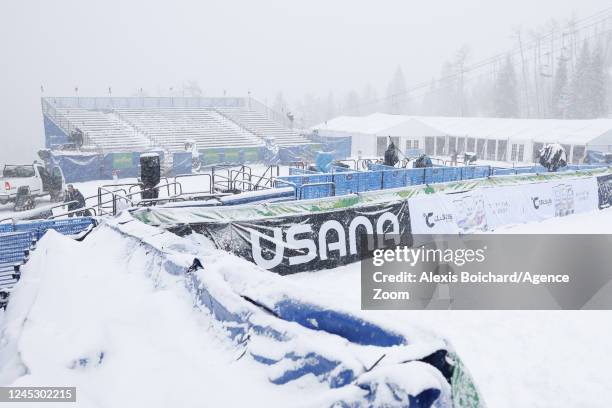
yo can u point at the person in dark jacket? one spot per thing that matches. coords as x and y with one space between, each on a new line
72 194
391 156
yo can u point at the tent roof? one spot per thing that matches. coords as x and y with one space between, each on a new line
371 124
541 130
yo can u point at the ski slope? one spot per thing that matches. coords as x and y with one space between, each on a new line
99 315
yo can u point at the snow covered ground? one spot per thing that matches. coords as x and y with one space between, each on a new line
517 358
146 346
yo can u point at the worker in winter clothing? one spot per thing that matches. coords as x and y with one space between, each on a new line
75 200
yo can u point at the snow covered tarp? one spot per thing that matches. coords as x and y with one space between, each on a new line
295 337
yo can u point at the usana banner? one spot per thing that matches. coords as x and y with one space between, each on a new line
295 243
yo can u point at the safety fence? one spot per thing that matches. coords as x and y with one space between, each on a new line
318 185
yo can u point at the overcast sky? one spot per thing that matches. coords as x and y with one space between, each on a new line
257 45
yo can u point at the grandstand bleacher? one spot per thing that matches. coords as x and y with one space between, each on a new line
106 130
172 127
138 124
259 124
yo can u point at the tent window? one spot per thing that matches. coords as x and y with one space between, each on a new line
461 145
452 145
440 145
408 144
578 154
470 145
518 151
502 146
568 150
415 144
381 145
536 151
429 145
480 148
491 149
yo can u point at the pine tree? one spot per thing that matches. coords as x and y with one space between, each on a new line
506 97
560 94
597 85
397 100
447 100
369 100
430 105
579 99
352 104
330 106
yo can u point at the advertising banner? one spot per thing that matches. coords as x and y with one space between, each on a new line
432 214
295 243
488 208
559 198
604 189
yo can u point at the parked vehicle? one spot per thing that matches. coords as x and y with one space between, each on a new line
23 183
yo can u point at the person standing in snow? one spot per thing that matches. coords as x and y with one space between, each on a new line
72 194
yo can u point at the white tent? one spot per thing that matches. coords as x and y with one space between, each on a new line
501 139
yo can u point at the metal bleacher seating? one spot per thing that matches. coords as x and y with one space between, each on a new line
142 124
105 130
19 239
258 123
15 248
172 127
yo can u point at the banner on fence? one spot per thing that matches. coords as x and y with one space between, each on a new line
489 208
604 191
295 243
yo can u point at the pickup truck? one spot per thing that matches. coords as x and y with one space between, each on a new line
34 179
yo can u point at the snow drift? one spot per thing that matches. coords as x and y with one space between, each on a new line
120 304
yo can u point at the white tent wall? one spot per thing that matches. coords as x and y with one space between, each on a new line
493 139
602 143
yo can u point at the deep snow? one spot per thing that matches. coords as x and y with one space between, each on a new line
76 301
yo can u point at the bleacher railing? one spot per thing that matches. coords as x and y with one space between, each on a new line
254 104
110 103
63 122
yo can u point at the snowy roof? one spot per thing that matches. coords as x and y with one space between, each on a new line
541 130
371 124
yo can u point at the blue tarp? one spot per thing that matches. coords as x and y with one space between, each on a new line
79 167
182 163
595 157
339 146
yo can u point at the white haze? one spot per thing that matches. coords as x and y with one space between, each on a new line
235 46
